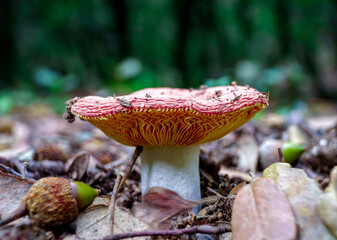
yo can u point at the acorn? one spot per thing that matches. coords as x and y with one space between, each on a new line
54 201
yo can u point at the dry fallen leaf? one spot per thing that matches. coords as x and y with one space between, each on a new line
327 204
237 188
23 231
159 205
77 166
248 153
261 211
303 194
94 222
233 173
12 190
327 209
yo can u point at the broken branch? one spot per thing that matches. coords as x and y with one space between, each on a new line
177 232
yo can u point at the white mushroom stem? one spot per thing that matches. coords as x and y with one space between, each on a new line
174 168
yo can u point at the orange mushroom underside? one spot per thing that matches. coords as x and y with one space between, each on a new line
162 128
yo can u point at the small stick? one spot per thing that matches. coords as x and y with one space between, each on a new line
4 168
113 203
280 154
131 163
23 170
215 192
119 183
177 232
21 211
252 175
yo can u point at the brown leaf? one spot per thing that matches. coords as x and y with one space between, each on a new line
159 205
77 166
262 211
23 231
303 194
248 153
233 173
94 222
12 190
237 188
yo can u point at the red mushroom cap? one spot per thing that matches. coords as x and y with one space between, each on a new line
172 117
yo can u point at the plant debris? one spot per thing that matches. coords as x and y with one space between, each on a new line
52 147
68 116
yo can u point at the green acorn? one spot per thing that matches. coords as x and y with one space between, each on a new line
292 152
54 201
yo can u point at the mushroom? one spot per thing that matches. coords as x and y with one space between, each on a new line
171 124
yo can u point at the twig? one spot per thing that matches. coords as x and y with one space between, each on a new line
130 165
113 203
253 176
119 183
4 168
280 154
23 170
21 211
215 192
9 170
177 232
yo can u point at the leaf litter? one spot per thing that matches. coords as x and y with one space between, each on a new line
53 147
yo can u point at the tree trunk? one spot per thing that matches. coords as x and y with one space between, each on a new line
183 10
282 13
6 43
121 17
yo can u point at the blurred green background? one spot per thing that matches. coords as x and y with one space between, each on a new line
54 50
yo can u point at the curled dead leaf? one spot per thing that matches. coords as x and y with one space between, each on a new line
159 205
77 166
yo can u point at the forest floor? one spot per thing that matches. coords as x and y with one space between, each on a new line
237 191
